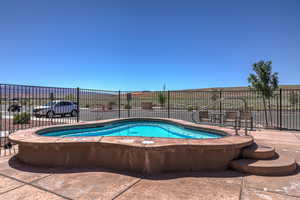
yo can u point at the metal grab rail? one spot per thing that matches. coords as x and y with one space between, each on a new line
218 101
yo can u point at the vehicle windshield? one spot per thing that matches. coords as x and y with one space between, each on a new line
50 103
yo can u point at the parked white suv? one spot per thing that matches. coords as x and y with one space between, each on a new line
58 107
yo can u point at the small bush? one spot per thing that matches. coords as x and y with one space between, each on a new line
24 102
111 104
127 106
21 118
190 108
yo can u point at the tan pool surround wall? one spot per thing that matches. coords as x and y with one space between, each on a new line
139 154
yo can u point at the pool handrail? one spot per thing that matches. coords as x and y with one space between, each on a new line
218 101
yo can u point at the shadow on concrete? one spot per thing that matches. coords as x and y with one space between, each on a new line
18 165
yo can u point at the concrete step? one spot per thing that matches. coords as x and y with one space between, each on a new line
259 152
279 166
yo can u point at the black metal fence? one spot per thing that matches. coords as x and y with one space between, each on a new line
23 107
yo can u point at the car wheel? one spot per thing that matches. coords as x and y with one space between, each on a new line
74 113
50 114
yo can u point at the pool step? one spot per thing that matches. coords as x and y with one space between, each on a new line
260 152
279 166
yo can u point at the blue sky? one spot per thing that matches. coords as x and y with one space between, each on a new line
140 45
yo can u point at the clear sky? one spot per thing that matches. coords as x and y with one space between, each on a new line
142 44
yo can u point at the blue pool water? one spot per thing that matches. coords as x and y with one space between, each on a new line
138 128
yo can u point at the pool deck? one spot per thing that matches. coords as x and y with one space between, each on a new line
130 153
20 181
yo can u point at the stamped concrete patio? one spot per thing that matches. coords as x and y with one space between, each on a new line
19 181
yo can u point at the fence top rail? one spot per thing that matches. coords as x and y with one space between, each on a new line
97 90
34 86
148 91
206 91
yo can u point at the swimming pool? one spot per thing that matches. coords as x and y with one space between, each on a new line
144 145
136 128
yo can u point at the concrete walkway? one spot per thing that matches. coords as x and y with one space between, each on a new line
19 181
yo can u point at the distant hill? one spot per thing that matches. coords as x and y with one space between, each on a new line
238 88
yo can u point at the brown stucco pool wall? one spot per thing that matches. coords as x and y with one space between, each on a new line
130 153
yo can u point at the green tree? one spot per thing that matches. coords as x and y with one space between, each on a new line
162 97
265 82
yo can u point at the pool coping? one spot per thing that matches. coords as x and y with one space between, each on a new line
230 140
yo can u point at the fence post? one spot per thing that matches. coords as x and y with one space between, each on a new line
119 102
1 116
220 107
168 103
280 113
277 111
77 101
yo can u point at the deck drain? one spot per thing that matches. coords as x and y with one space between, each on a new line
147 142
